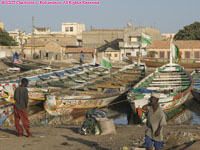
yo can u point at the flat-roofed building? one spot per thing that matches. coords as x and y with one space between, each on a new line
73 28
1 25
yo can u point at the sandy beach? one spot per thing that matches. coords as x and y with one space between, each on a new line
68 138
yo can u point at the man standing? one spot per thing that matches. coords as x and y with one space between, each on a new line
20 113
81 58
155 122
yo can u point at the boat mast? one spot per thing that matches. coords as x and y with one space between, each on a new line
32 39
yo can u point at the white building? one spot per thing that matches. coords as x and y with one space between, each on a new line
73 28
18 36
168 35
42 30
1 25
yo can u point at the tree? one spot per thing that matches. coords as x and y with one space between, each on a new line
6 40
190 32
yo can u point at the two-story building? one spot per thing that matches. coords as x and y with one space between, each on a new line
73 28
131 45
18 36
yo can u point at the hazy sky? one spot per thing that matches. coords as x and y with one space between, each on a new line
167 15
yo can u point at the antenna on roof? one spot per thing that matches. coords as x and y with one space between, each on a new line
129 24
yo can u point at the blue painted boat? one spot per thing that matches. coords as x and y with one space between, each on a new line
196 88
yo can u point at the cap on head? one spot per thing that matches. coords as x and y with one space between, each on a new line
156 95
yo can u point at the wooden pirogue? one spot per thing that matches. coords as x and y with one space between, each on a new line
196 88
67 78
95 94
170 80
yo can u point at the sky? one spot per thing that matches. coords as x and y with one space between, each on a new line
166 15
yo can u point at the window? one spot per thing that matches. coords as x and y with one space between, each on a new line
162 54
168 54
133 39
71 29
128 54
108 55
116 55
66 29
137 54
187 54
196 55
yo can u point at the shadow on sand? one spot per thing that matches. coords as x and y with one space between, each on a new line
9 131
92 144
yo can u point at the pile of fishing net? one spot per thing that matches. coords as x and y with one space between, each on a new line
96 122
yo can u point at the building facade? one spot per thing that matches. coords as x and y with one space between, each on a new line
19 36
1 25
97 37
42 30
74 53
49 45
132 46
189 49
73 28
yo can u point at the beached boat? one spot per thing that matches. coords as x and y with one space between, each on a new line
36 95
170 80
155 62
98 93
25 65
6 109
45 75
196 88
66 79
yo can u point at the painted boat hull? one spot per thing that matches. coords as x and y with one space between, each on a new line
56 107
167 104
196 95
6 109
61 105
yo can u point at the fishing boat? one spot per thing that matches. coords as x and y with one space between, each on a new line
40 76
170 81
25 65
77 76
155 62
6 109
98 93
196 88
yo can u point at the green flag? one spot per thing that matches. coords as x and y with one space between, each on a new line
146 39
106 63
175 51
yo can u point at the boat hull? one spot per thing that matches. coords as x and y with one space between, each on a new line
196 95
167 102
56 106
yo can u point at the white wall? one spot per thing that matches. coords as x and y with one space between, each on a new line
77 28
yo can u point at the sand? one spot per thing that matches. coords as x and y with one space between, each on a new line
68 138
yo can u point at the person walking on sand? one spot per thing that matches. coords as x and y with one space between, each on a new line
20 113
81 57
155 122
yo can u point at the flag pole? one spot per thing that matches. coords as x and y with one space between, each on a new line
139 51
171 59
